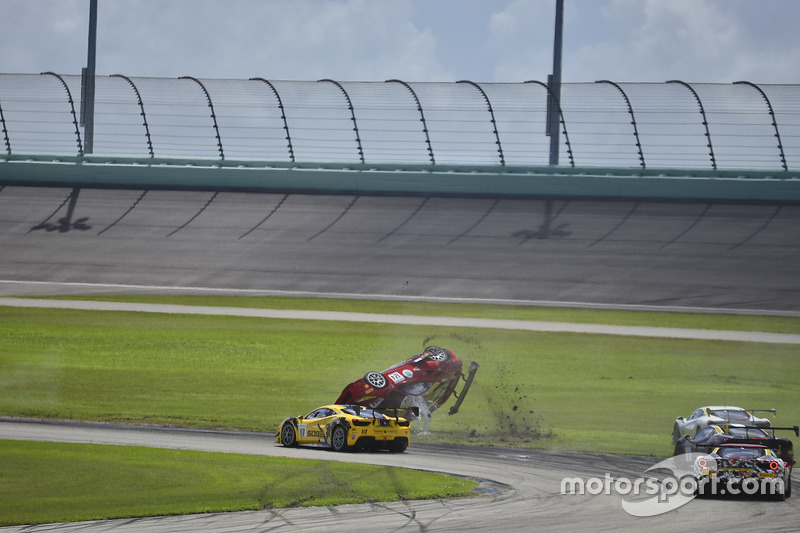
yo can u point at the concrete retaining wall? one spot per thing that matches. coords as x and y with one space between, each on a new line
692 184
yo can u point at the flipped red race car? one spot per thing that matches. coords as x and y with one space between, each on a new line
425 380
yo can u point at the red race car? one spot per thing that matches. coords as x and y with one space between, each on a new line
426 381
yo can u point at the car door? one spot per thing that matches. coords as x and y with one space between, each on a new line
693 422
312 428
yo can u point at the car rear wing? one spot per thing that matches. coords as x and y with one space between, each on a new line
795 429
773 411
396 410
783 447
749 411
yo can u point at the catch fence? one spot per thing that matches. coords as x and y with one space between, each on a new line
602 124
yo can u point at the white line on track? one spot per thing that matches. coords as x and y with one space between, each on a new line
397 297
414 320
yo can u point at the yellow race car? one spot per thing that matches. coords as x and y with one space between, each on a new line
347 427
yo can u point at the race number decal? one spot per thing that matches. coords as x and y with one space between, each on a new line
397 377
301 430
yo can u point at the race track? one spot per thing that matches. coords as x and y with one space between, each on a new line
531 501
629 254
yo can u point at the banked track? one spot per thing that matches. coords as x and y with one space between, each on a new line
720 256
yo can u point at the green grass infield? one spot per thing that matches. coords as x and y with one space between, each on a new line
575 391
568 391
48 482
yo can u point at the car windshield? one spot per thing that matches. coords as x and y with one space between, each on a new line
730 414
742 453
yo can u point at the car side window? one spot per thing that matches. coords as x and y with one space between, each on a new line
704 433
696 414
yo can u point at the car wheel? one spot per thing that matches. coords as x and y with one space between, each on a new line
398 445
679 449
787 491
339 439
437 354
676 433
288 435
376 379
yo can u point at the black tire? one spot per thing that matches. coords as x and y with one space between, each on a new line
787 491
398 445
376 380
339 439
288 435
676 433
701 491
679 449
437 354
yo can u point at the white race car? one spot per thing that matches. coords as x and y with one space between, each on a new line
717 414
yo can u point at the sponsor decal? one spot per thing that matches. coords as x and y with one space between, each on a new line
408 373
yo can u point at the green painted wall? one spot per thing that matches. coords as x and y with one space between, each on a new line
692 184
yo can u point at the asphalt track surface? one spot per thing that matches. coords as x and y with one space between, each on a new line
620 253
626 254
524 490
